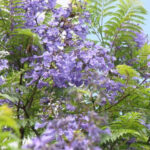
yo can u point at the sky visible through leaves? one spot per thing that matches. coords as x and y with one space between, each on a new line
147 21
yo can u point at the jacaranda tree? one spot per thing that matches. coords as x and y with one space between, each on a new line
75 78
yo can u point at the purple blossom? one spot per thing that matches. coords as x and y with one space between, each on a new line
3 64
84 64
51 3
140 39
6 101
2 80
70 107
148 64
40 125
69 133
132 140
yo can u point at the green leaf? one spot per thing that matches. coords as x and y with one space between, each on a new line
127 71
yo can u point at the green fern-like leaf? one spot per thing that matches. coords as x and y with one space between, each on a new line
127 71
144 52
115 21
100 9
126 126
116 134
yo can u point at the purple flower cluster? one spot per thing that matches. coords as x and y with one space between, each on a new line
140 39
67 59
148 57
145 124
70 133
3 64
6 101
76 67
